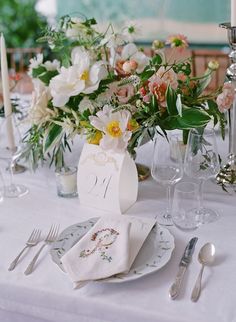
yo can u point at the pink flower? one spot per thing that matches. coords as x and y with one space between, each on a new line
158 88
124 93
168 76
177 41
182 77
143 91
146 99
130 66
226 98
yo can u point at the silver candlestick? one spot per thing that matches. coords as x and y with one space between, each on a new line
227 175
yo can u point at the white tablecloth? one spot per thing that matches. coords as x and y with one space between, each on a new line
47 294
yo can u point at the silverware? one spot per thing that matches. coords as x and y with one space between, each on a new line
51 237
184 262
32 241
206 256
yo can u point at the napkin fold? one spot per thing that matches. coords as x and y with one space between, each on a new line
102 252
109 248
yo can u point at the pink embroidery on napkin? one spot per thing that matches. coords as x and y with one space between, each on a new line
105 238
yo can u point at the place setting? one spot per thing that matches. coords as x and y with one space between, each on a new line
118 163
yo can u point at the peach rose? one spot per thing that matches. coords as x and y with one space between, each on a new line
124 93
226 98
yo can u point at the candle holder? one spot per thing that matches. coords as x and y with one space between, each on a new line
227 175
66 181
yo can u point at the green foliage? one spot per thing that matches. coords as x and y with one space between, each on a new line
171 99
20 23
53 135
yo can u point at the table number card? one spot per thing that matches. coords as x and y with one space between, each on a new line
106 180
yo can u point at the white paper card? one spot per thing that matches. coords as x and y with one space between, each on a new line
106 180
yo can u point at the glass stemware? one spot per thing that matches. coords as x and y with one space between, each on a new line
10 157
202 162
167 169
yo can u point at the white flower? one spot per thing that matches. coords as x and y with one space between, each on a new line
86 104
39 111
113 40
35 62
130 53
75 29
54 65
114 128
131 31
83 76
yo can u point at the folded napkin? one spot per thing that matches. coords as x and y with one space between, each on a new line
102 252
109 248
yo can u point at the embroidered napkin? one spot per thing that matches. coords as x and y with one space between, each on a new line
102 252
109 248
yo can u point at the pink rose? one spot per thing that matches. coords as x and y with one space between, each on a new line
124 93
158 87
226 98
168 76
146 99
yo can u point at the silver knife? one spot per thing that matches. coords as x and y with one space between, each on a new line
185 260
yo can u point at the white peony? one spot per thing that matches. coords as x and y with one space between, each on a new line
39 111
113 125
83 76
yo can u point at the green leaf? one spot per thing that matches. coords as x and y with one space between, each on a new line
52 137
89 22
191 118
47 76
153 106
156 60
38 71
171 99
146 74
203 83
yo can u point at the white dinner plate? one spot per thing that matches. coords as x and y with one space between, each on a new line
154 254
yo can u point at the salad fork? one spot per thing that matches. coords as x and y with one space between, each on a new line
32 241
51 237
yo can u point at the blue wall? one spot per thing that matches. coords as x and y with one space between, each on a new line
118 10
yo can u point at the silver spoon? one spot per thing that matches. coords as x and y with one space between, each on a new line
206 256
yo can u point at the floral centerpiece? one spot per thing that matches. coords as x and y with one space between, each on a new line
104 87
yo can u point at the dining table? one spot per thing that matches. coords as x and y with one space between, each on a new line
48 294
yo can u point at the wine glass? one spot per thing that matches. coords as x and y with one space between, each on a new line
202 163
167 169
10 151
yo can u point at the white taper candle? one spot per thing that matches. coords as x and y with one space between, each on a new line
233 13
6 94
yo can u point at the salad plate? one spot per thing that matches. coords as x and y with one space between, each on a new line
154 254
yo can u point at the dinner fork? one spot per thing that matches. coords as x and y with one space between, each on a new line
32 241
51 237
